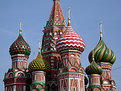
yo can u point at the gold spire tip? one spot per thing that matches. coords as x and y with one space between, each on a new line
101 29
39 46
69 14
20 30
93 57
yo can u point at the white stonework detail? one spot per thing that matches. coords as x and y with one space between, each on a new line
24 89
14 88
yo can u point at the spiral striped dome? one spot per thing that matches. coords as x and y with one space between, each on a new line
39 64
20 46
102 53
93 68
70 40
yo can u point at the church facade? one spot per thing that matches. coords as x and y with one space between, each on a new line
57 66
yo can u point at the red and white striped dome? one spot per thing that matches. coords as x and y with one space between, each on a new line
70 40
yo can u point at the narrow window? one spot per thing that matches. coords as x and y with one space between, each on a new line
24 89
66 61
40 77
35 77
95 80
20 65
25 65
15 64
91 80
104 74
72 61
6 89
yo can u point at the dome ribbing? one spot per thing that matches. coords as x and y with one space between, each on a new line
20 46
93 68
39 64
102 53
70 40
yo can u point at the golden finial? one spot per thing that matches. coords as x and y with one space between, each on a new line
20 30
39 47
100 29
69 14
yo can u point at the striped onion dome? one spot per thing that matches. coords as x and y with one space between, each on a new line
20 46
70 40
102 53
39 64
93 68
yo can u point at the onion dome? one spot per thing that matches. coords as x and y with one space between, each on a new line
101 52
93 68
70 40
39 64
20 46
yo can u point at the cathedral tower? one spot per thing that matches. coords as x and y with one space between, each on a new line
71 74
104 57
55 26
94 71
17 78
39 68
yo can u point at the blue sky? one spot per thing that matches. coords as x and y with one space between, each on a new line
85 18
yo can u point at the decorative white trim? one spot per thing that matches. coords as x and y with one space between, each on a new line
19 72
69 84
5 88
24 89
79 84
16 84
52 60
72 44
15 64
52 64
68 40
9 74
14 88
70 72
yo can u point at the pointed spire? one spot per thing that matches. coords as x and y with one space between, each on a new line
39 47
69 15
20 30
56 16
100 30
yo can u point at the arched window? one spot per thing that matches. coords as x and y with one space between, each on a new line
20 65
95 80
11 75
105 74
25 65
20 74
72 61
15 64
40 77
66 61
35 77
